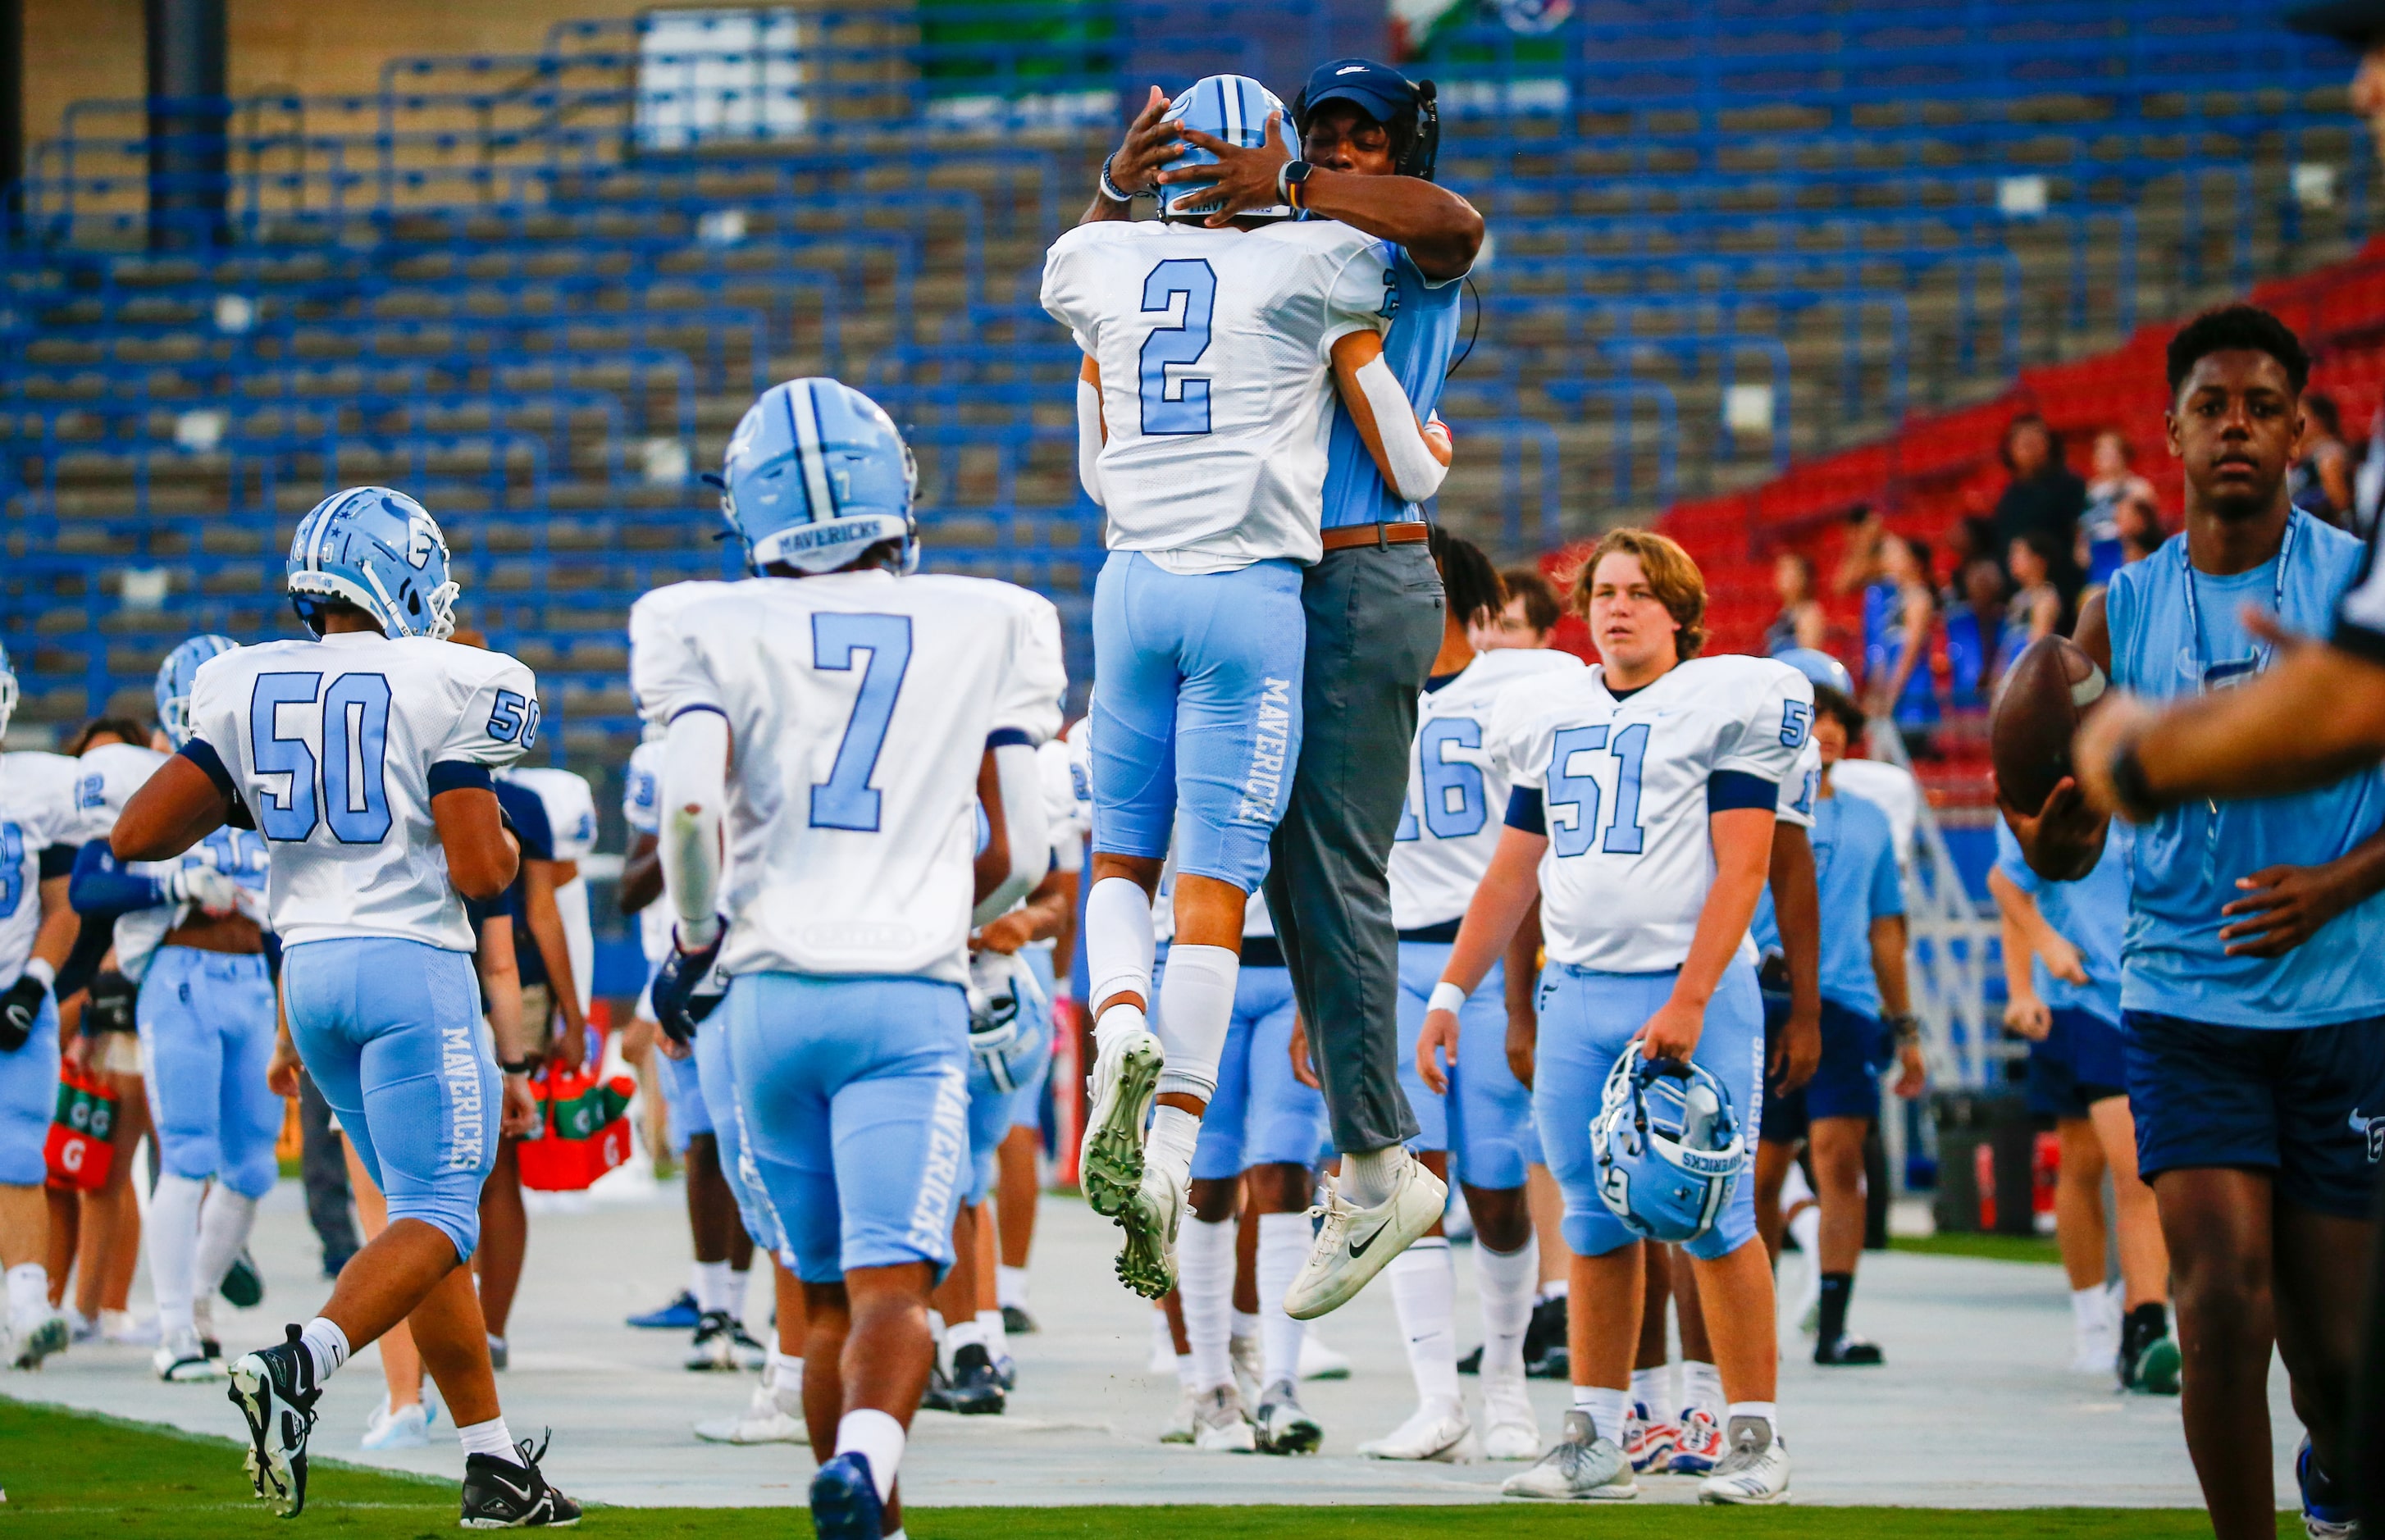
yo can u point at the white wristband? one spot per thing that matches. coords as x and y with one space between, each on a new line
1445 997
40 972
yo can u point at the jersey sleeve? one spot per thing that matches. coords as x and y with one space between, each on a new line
668 677
1770 738
219 741
642 795
1359 297
1063 295
1029 710
496 719
1801 789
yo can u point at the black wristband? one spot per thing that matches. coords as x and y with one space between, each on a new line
1905 1029
515 1066
2129 785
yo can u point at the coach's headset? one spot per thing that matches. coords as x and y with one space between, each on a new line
1408 109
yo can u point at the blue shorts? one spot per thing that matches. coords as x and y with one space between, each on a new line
855 1096
682 1084
390 1032
1260 1115
995 1102
207 1040
1587 1020
716 1080
2083 1060
29 1099
2306 1103
1856 1048
1196 721
1487 1121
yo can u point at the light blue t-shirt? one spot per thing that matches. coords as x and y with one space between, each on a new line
2091 914
1417 348
1855 870
2175 633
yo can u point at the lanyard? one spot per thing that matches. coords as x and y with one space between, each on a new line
2198 664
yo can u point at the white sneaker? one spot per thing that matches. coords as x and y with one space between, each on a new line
1755 1468
1183 1424
1580 1466
1124 1079
1219 1423
121 1329
1438 1429
1146 1263
1354 1244
1283 1427
1319 1361
182 1359
762 1421
1510 1428
2095 1349
407 1428
32 1340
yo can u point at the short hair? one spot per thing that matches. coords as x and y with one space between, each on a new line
2030 419
2237 326
1672 575
1536 593
1467 577
1840 707
123 728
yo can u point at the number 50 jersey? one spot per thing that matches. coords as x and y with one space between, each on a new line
859 706
334 750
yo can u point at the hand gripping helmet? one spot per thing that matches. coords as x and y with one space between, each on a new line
1819 667
1669 1147
380 550
816 474
1235 108
174 677
7 692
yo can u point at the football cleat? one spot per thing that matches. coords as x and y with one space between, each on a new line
275 1390
1579 1467
501 1493
2147 1356
2326 1516
1221 1425
1283 1427
243 1285
1125 1079
1545 1341
1182 1425
845 1505
1146 1263
183 1360
1437 1431
714 1349
1016 1321
1848 1352
28 1346
1648 1444
1755 1470
975 1389
762 1421
680 1315
1354 1243
1510 1430
749 1353
1700 1447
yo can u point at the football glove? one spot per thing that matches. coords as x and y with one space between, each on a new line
20 1007
686 990
110 1007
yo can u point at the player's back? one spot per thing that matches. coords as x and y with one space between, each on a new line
570 805
335 748
859 706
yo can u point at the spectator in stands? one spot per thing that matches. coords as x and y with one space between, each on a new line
1975 622
1800 622
2116 485
1859 564
2044 497
1531 618
2321 479
2035 608
1900 624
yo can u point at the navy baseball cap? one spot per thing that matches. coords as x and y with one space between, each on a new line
2353 21
1377 90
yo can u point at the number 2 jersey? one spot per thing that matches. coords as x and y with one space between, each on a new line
1623 788
1215 355
859 706
334 748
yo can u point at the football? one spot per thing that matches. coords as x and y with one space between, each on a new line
2044 694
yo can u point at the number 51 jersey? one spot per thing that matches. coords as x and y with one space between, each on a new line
334 750
859 706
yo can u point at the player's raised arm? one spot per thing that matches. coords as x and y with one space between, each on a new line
1412 455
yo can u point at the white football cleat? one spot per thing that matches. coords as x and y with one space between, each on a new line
1754 1469
407 1428
32 1340
182 1359
1510 1428
1146 1263
1283 1427
1319 1361
762 1421
1124 1080
1221 1425
1579 1467
1184 1424
1354 1244
1438 1429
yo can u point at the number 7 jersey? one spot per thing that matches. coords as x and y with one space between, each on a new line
334 748
859 706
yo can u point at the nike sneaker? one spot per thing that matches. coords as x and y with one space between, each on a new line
1283 1427
1438 1431
501 1493
1754 1470
762 1421
680 1315
1848 1352
407 1428
1545 1357
1579 1467
2147 1357
1354 1243
714 1348
975 1389
1146 1263
1699 1450
275 1390
182 1359
1125 1078
1649 1444
1510 1430
1220 1424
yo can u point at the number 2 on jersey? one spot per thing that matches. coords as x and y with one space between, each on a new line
1185 409
846 799
354 794
1624 835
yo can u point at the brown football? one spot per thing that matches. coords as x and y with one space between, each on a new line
2037 709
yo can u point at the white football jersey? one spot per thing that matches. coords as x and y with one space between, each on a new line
642 805
859 707
570 806
1802 787
105 778
1457 789
1216 354
37 811
336 747
1067 803
1888 788
1623 788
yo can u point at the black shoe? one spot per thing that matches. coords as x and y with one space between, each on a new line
976 1387
1018 1323
210 1348
714 1346
242 1285
500 1494
1545 1331
750 1353
1471 1363
937 1397
275 1390
333 1262
1554 1364
1848 1352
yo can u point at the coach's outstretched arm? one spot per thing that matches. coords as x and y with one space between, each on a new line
1413 455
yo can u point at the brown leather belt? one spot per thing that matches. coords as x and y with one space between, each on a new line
1406 532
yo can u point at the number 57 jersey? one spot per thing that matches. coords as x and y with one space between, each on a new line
334 748
859 706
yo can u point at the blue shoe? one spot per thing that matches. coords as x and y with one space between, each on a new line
844 1500
680 1315
2322 1519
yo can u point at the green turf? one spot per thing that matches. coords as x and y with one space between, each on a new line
74 1474
1994 1249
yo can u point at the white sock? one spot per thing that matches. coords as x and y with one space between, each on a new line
1205 1282
1424 1293
29 1293
1174 1133
1607 1410
173 1225
739 1292
1702 1388
2089 1310
492 1437
1162 1345
1555 1288
1653 1389
1505 1281
1197 1009
1807 1229
1370 1178
1767 1410
327 1345
1010 1286
787 1383
711 1286
1283 1245
877 1438
224 1224
960 1334
1118 941
1246 1323
991 1332
1186 1375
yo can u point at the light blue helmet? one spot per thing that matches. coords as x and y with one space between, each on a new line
1818 666
380 550
1235 108
7 692
174 677
816 474
1669 1147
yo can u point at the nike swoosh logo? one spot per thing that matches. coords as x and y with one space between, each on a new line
1350 70
1358 1248
520 1494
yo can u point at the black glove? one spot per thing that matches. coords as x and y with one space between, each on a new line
20 1007
685 991
110 1007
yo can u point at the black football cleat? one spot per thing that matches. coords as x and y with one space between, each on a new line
500 1494
275 1389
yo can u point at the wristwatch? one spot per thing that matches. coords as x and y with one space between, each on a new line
1291 182
1905 1029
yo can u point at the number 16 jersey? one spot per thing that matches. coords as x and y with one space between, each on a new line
334 748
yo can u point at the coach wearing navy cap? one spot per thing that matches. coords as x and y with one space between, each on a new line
1369 137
